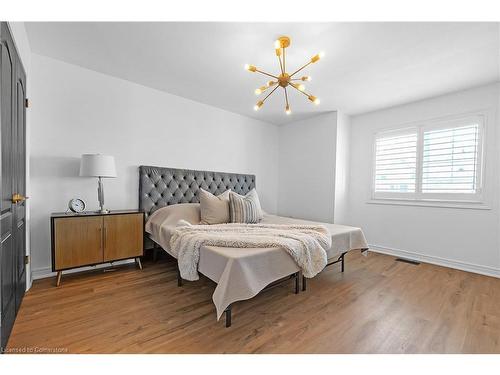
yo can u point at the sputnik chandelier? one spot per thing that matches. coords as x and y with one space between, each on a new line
284 79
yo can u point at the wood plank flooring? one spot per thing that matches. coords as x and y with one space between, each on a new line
377 306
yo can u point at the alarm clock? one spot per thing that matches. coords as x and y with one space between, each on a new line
76 205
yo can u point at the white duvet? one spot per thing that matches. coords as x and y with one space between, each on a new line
306 244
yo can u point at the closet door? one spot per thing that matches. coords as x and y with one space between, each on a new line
19 183
7 255
12 174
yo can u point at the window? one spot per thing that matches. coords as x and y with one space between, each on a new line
438 161
396 163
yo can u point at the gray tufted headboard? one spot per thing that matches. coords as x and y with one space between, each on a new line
159 187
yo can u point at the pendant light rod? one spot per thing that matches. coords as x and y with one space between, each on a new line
284 64
281 65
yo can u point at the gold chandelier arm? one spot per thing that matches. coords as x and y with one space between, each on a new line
298 70
296 88
286 97
268 95
267 74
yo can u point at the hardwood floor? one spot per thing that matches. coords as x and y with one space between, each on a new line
377 306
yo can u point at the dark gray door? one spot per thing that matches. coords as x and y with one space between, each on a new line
12 205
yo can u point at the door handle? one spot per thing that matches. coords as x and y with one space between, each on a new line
18 198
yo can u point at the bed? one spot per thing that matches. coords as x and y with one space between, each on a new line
239 273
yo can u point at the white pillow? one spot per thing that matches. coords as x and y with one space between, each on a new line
214 209
170 215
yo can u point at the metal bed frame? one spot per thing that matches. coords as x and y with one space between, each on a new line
228 311
341 260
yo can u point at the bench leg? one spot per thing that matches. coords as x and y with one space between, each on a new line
304 283
297 282
342 263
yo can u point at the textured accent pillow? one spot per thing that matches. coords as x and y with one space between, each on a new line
214 209
245 209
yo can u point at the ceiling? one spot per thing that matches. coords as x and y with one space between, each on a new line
367 66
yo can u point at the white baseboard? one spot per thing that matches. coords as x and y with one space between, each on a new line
463 266
42 273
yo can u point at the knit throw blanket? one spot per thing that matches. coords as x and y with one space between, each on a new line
306 244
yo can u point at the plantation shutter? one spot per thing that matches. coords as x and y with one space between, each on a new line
396 162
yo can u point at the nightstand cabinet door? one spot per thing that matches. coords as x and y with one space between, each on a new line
123 236
78 241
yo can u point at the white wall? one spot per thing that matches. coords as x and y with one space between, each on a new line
307 168
461 238
76 111
21 41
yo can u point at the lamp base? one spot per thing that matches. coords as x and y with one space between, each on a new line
100 197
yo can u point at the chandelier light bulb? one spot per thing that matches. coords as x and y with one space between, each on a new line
313 99
287 110
277 44
306 78
261 89
258 105
315 58
250 68
301 87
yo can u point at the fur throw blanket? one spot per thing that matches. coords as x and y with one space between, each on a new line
306 244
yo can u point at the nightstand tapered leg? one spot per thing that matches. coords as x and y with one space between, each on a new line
59 276
138 261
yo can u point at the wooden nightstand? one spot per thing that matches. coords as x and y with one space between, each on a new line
91 238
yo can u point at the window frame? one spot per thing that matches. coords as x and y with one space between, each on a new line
420 128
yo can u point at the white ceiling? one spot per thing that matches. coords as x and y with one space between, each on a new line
367 66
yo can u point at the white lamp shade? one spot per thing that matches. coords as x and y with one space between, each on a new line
97 165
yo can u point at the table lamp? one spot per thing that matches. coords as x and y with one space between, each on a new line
100 166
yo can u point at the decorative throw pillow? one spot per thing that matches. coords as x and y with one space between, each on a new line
214 209
245 209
